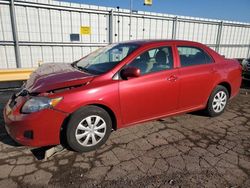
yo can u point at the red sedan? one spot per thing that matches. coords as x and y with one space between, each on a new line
118 86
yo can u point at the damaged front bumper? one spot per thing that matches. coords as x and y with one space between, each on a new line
37 129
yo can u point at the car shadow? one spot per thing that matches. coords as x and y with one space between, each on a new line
6 139
245 84
199 113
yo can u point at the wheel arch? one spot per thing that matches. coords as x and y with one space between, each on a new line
110 112
227 86
209 110
222 83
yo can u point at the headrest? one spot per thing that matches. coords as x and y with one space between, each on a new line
145 56
161 57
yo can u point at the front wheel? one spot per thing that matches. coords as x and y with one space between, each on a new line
217 101
88 128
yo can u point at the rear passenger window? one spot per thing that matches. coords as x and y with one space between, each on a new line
193 56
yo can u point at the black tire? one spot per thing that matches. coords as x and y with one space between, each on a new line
80 116
210 109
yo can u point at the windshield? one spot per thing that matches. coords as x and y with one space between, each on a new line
104 59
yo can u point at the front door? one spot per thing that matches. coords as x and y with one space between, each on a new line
155 92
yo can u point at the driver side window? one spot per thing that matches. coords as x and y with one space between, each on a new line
154 60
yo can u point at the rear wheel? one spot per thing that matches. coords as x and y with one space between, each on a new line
88 128
217 101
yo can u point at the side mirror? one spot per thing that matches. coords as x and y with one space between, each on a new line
130 72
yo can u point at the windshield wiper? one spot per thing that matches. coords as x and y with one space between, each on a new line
80 68
83 69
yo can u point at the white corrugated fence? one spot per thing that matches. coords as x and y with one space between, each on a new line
40 30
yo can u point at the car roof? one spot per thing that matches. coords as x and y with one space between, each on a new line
153 41
148 42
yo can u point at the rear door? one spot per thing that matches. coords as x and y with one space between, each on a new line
196 76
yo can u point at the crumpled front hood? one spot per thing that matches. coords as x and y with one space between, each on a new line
55 76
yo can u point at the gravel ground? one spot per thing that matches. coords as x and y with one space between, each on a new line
189 150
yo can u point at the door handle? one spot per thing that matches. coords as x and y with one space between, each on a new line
172 78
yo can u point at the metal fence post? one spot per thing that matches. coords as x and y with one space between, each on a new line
15 34
130 19
217 47
118 24
175 21
111 18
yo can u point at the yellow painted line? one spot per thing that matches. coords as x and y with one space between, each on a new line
15 74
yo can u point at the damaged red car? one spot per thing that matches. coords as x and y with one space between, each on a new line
118 86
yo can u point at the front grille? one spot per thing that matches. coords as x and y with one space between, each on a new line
12 103
22 93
